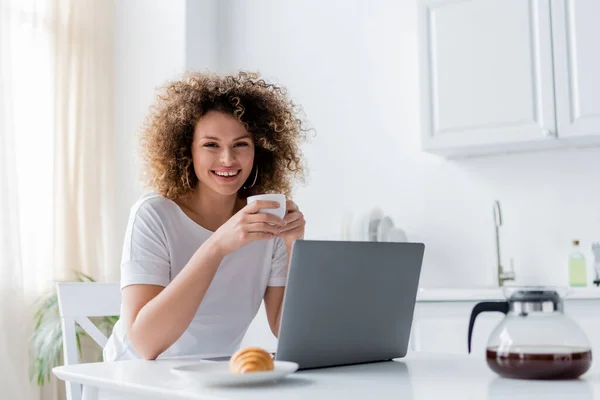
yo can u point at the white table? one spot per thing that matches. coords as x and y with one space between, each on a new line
418 376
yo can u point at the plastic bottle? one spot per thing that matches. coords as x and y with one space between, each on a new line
596 253
577 269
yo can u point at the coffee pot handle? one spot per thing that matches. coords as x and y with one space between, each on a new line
484 306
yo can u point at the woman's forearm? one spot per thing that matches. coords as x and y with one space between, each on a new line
277 324
165 318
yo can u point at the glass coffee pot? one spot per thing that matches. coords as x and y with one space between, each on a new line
535 340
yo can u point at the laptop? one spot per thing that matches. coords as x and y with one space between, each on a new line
348 302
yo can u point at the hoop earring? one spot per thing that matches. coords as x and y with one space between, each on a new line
254 182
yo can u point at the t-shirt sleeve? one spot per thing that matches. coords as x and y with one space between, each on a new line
145 258
279 264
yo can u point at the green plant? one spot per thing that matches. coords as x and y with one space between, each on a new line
46 340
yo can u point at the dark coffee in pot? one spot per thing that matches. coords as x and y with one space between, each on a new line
543 362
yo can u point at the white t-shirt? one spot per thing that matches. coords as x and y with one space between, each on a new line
159 241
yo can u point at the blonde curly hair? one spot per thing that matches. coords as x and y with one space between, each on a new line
263 109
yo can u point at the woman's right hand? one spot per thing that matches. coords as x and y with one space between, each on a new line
246 226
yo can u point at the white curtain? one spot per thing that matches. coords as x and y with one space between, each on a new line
56 177
84 175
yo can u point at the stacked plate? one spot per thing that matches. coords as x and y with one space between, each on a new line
373 226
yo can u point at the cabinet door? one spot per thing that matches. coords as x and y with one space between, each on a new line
576 32
443 327
585 314
486 73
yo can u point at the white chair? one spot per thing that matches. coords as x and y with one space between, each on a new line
77 301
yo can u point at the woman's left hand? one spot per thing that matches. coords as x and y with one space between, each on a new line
295 223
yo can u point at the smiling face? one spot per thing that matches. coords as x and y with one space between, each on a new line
223 153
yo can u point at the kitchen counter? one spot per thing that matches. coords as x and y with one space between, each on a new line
480 294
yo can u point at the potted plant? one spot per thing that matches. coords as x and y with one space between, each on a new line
46 341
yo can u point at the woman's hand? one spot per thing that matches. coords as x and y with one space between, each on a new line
295 224
247 226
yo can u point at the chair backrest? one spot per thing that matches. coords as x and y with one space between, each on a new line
77 301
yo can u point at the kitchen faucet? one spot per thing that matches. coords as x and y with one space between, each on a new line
502 275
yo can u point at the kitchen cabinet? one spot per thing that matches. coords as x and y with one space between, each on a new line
501 76
442 327
575 31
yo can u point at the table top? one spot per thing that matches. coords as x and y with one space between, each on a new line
417 376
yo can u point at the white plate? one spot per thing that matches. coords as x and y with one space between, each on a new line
365 229
397 235
383 229
217 373
375 217
386 232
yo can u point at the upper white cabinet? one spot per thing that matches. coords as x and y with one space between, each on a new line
508 75
576 36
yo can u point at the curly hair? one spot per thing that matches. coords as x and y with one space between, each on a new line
263 109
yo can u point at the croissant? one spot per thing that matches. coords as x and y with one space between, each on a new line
250 359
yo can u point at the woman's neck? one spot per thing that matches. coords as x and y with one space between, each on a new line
210 209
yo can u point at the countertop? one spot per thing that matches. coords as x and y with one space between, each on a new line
479 294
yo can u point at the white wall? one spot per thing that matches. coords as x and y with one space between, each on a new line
353 66
155 41
201 34
149 48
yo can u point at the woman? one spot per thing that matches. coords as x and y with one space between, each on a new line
197 261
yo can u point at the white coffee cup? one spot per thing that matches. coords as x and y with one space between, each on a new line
280 198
